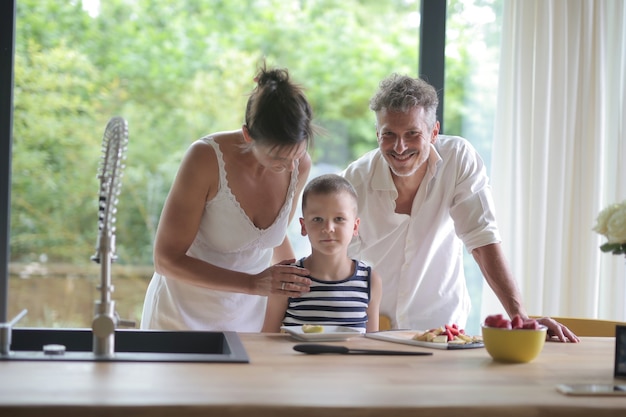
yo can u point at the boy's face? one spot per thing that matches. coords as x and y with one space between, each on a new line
330 221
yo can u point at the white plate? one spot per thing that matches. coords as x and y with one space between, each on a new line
406 337
330 333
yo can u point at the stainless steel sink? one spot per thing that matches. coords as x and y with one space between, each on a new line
130 346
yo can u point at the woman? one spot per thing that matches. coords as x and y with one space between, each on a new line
225 219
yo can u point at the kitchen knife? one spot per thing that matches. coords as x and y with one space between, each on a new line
313 348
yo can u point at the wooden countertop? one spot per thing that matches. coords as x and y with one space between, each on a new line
281 382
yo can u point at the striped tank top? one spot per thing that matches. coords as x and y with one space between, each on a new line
333 303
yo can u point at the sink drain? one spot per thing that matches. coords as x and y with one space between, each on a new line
54 349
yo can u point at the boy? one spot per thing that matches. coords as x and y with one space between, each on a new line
344 291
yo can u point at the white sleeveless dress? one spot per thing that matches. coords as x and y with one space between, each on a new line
226 238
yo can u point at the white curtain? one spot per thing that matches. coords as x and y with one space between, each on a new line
559 153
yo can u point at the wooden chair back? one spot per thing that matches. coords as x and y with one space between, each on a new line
580 326
384 323
589 327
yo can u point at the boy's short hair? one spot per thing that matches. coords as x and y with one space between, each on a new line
328 184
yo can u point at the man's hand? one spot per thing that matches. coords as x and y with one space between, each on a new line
558 331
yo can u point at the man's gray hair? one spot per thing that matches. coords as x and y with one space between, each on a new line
400 93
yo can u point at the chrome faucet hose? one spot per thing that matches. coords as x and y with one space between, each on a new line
114 145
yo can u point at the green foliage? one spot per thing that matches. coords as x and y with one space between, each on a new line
52 156
472 54
614 248
50 23
178 70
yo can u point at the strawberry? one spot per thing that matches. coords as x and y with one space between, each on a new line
504 324
530 324
452 329
517 322
498 320
493 320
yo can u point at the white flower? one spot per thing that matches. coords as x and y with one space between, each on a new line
617 225
611 223
602 223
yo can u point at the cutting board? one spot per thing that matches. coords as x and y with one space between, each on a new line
406 337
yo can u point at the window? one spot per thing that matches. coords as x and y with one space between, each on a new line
177 71
471 74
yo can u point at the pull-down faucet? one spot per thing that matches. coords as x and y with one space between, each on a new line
114 143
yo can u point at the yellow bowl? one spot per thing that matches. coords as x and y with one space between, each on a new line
514 345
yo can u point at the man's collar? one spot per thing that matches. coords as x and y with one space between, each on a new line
434 160
381 178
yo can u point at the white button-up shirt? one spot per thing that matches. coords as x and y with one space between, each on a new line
420 256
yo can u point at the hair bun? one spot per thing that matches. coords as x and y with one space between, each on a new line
272 76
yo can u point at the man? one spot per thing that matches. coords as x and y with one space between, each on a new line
422 197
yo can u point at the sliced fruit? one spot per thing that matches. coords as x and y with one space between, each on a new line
312 328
